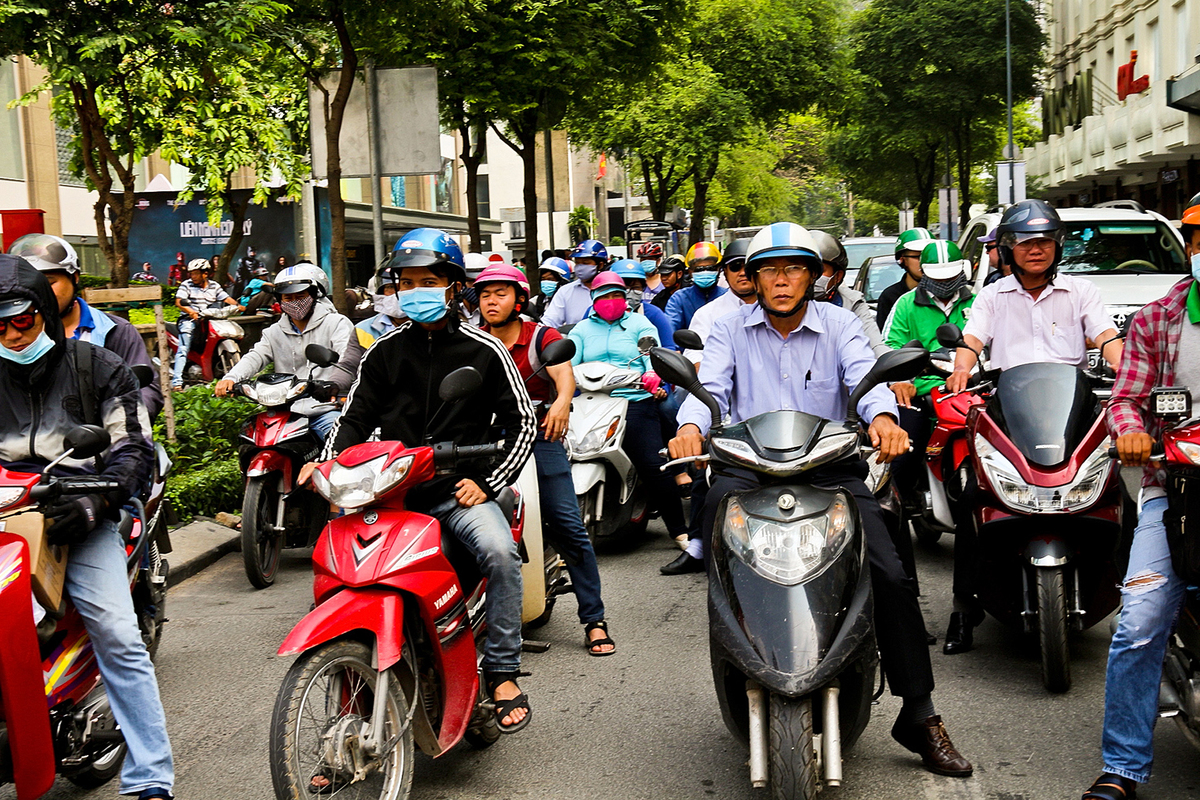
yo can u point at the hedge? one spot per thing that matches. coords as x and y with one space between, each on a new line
205 491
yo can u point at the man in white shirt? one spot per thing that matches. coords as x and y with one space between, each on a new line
740 295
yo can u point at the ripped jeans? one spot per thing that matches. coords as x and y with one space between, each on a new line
1152 596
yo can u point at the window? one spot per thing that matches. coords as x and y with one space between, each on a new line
399 196
1183 56
1154 62
516 230
11 163
483 196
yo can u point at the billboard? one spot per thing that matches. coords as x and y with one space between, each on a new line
163 226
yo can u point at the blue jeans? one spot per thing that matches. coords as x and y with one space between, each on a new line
186 325
99 587
1152 596
322 424
486 534
563 527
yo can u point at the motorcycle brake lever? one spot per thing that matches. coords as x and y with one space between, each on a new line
684 460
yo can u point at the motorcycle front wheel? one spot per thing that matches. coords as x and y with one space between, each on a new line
791 759
262 538
324 706
227 358
1052 628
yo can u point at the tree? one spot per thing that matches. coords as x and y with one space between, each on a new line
114 62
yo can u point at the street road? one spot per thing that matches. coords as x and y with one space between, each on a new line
643 723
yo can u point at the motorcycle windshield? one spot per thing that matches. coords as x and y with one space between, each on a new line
1045 409
782 434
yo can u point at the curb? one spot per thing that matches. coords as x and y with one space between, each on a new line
197 546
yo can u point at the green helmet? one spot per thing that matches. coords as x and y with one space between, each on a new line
941 261
913 239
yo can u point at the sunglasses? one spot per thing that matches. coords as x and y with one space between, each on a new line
991 247
21 322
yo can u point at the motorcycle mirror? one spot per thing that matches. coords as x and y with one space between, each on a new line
675 368
646 342
462 382
87 441
320 355
559 351
144 374
950 335
898 365
688 339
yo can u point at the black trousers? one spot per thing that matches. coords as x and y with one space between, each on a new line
899 626
907 468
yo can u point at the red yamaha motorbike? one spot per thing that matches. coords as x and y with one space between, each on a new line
56 718
214 348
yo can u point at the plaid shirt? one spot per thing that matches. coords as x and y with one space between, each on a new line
1148 360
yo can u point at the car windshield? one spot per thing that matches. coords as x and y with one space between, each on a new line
880 275
1131 247
860 252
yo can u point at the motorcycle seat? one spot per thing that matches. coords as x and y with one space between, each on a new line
172 328
507 500
125 526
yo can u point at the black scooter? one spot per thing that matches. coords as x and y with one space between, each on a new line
790 612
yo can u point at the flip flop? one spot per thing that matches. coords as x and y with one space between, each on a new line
506 707
590 643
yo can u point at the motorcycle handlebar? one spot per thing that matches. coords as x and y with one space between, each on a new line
1157 453
447 454
88 486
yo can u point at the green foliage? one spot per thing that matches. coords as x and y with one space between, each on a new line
145 316
206 427
581 222
205 491
616 241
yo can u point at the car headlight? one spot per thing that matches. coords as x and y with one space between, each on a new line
595 439
1018 495
355 487
788 552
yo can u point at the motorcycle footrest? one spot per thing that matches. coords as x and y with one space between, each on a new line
534 645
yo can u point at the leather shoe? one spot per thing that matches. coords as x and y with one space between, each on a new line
683 565
930 741
960 633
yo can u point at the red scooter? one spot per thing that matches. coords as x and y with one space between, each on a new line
1049 510
55 712
214 349
389 656
946 463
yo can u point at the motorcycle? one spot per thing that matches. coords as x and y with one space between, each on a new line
56 718
214 349
388 659
791 636
277 442
612 500
1048 512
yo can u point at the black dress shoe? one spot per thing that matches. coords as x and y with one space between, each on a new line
929 740
960 634
683 565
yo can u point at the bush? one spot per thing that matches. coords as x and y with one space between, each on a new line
205 491
145 316
206 427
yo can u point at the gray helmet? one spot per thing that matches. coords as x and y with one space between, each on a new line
831 249
47 253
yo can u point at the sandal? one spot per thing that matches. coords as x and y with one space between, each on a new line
506 707
1111 787
589 643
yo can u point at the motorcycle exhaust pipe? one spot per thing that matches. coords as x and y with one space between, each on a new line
831 740
758 734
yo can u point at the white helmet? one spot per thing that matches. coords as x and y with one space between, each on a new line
783 239
47 253
476 263
296 278
318 276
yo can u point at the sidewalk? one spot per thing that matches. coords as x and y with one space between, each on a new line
198 545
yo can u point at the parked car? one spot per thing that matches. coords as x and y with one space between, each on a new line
860 248
877 273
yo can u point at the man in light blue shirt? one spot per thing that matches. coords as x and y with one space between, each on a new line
791 353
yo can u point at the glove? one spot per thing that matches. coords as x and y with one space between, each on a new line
73 518
323 391
651 382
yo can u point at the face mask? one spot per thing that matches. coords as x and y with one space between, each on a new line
943 290
610 308
41 345
705 280
387 304
1196 266
425 304
634 299
821 285
585 272
298 309
471 295
549 288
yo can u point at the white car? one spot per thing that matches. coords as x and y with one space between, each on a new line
1134 256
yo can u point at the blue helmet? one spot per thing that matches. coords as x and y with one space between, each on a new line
628 269
429 247
590 248
559 266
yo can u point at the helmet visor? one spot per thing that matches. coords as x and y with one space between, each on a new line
1014 238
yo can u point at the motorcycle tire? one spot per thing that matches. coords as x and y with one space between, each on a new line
791 759
261 550
1052 628
225 361
337 675
101 766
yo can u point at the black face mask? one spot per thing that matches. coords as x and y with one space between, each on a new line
943 290
471 295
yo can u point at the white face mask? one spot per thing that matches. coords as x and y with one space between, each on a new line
387 304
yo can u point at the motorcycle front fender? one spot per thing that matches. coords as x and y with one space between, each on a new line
265 462
21 684
378 612
1047 551
585 475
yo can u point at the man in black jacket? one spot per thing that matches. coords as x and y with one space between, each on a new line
397 391
42 398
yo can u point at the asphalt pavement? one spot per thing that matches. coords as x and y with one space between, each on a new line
643 723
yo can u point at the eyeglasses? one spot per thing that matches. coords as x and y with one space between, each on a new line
21 322
791 271
1041 243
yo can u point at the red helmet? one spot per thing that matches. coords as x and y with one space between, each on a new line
650 250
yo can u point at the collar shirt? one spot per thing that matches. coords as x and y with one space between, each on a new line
192 295
703 319
751 369
1052 328
570 304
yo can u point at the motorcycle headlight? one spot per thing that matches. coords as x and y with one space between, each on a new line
1191 450
355 487
268 394
10 495
788 552
298 388
1018 495
595 439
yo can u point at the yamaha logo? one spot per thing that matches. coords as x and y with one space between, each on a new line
787 502
441 601
370 517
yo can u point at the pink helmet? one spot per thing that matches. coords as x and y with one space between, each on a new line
503 273
606 282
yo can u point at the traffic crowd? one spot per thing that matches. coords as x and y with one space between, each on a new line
780 330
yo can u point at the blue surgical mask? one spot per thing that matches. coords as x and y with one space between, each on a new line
585 272
1196 266
549 288
41 345
425 304
705 280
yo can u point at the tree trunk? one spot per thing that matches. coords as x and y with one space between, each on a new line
471 157
926 174
965 160
238 213
335 111
661 185
99 162
525 128
702 178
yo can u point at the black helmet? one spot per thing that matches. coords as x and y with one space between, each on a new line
831 249
1030 219
735 251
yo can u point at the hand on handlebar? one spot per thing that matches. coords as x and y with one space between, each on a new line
73 518
957 382
306 472
688 443
223 387
905 391
469 494
1135 449
888 437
